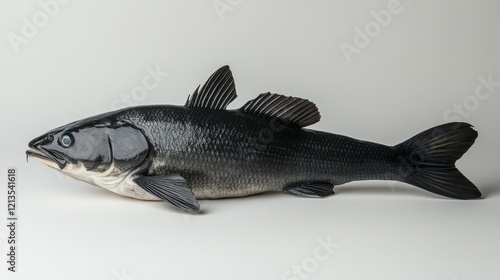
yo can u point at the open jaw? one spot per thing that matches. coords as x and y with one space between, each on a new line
52 159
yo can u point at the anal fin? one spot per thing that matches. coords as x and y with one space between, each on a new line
310 189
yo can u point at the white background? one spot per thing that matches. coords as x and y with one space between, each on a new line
407 78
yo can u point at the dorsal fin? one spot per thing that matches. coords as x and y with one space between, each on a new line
299 111
216 93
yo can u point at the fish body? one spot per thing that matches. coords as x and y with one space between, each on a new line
203 151
230 154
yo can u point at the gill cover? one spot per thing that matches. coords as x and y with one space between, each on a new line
129 147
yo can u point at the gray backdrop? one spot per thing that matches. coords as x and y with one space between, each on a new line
379 70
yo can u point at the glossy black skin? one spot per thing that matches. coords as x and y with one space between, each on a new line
220 153
229 153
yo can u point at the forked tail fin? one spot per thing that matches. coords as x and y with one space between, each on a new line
430 158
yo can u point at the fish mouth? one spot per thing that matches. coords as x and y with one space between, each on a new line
50 158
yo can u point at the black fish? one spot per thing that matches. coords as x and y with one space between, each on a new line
203 151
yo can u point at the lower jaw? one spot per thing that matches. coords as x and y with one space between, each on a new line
47 162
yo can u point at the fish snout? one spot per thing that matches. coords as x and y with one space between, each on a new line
42 148
41 141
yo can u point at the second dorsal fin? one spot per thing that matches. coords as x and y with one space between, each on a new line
216 93
298 111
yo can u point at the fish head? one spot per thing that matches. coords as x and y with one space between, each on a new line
95 150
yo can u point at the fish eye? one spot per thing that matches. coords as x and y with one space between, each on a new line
66 140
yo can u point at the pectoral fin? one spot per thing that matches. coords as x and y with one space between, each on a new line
172 188
311 189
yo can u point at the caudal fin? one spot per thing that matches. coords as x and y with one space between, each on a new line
430 160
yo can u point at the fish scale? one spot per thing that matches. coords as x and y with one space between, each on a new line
226 152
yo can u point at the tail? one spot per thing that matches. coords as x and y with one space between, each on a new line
429 160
